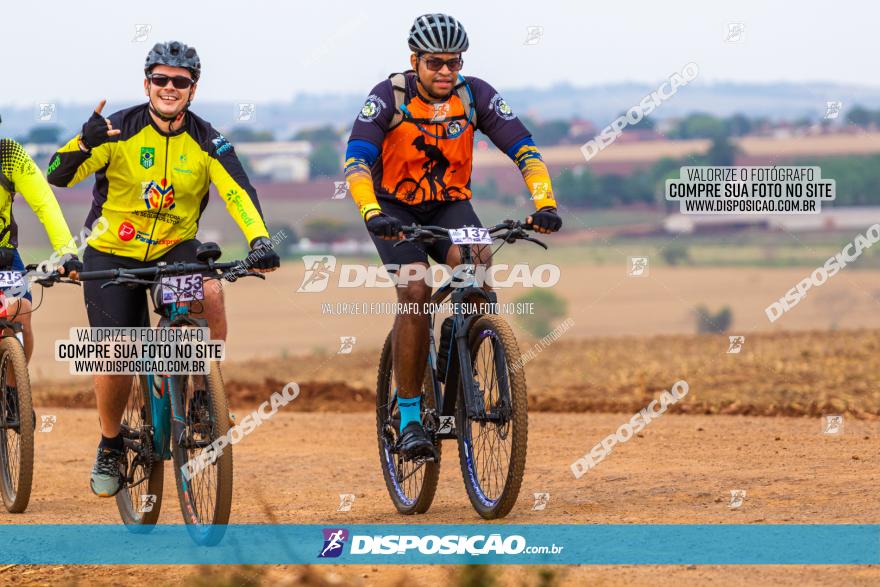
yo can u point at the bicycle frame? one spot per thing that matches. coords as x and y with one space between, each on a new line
165 400
458 364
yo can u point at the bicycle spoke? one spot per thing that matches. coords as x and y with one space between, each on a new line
204 484
11 441
489 442
133 427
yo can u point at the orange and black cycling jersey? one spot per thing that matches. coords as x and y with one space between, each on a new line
428 156
152 187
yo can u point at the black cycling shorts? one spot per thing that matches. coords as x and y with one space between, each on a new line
457 214
121 305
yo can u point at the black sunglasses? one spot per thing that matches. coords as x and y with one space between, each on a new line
436 64
181 82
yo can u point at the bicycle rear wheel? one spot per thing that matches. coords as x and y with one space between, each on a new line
411 484
16 428
206 496
492 446
140 500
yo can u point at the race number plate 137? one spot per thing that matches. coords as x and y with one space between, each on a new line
182 288
470 235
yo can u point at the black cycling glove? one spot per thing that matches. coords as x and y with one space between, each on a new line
94 131
547 219
71 264
383 225
262 255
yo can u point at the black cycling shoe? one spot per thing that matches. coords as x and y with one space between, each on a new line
414 443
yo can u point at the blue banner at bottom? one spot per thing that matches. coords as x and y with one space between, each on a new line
519 544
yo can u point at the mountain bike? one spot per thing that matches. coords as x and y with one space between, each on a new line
474 390
17 416
177 417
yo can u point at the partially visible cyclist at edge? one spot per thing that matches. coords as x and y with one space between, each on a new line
411 125
153 165
19 174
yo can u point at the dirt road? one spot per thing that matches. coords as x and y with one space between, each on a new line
681 470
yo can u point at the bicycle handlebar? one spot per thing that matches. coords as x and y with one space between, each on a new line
174 268
230 271
515 231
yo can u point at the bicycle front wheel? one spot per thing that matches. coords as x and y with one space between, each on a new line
411 484
16 427
492 443
140 500
204 474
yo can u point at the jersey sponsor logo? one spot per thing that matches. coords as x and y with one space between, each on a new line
148 157
126 231
28 168
54 164
221 145
372 108
166 217
155 196
501 107
234 197
144 237
441 111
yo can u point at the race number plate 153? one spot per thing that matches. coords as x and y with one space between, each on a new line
470 235
182 288
10 279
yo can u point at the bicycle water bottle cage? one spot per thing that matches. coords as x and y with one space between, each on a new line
208 252
446 331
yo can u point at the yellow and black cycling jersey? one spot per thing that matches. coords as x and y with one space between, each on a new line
21 175
152 187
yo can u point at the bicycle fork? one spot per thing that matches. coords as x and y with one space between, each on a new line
160 403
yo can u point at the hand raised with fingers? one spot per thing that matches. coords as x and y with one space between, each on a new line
97 130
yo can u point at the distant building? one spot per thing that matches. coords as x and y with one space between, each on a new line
278 161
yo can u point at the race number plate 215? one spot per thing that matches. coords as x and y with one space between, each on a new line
182 288
10 279
470 235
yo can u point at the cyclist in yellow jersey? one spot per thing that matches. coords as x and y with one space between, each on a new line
153 166
19 174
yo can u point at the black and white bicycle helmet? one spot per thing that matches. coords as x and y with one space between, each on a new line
174 54
437 33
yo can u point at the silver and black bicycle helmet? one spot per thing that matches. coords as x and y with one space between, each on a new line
174 54
437 33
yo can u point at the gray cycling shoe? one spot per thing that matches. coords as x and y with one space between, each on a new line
108 472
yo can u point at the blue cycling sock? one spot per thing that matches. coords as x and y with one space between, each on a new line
410 410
